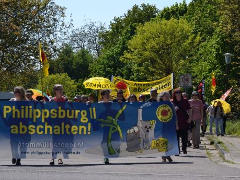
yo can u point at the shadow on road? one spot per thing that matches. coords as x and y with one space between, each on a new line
97 164
191 156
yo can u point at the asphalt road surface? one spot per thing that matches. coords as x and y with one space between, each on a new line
195 166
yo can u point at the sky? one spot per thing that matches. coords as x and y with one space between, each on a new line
84 11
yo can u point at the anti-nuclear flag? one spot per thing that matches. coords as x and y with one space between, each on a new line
49 130
137 88
213 87
43 60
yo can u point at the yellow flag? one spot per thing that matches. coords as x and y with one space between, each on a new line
43 60
213 88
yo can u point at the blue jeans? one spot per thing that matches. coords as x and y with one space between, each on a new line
211 120
219 122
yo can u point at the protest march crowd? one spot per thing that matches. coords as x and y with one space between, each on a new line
192 114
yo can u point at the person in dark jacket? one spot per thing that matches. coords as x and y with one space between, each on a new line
183 112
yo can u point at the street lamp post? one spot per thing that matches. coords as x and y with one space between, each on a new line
228 57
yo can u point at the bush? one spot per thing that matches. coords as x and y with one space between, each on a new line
233 127
69 85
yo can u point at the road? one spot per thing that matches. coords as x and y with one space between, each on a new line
195 165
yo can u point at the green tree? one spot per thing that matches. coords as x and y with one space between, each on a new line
69 85
115 40
75 64
87 37
159 48
229 26
23 24
176 11
203 16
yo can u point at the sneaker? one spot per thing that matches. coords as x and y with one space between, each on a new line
196 147
52 162
106 161
14 161
169 159
184 151
18 163
222 134
164 159
60 162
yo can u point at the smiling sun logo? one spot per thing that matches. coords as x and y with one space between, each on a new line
164 113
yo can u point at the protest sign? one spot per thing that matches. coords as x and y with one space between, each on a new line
50 130
137 88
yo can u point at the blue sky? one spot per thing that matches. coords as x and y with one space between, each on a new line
104 11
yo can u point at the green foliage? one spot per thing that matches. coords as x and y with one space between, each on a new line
115 41
160 48
143 44
69 85
203 16
176 11
27 79
233 128
23 24
75 64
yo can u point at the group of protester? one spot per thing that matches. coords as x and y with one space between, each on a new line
191 114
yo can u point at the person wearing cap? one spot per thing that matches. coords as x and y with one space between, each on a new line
120 98
165 96
29 94
183 112
197 118
153 95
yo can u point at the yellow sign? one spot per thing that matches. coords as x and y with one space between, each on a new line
161 144
137 88
98 83
164 113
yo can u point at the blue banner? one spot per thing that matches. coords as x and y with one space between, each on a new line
31 129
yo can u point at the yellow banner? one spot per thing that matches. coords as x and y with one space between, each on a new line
137 88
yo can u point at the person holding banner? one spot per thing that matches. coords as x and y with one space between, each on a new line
141 98
165 96
112 134
29 94
16 139
120 98
153 94
183 113
132 98
59 98
105 96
